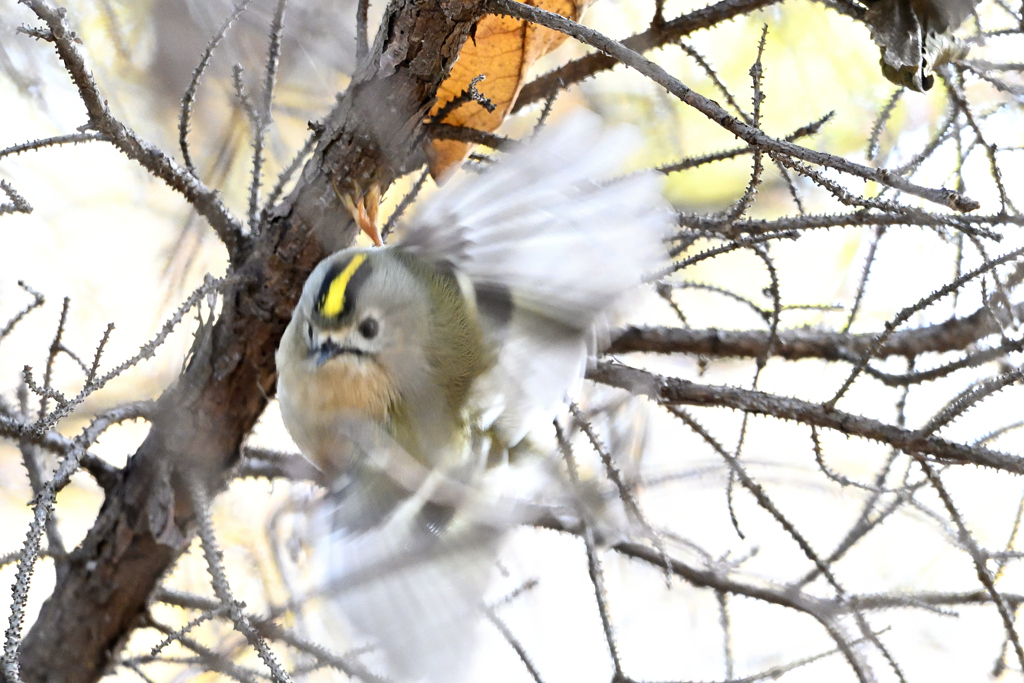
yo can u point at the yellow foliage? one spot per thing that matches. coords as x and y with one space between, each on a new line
502 49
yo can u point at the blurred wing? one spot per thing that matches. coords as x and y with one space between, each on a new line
537 224
537 365
401 571
412 593
403 555
537 231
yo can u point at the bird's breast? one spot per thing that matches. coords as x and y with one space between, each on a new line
316 405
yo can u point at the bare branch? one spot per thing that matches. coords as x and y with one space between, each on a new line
37 301
56 141
189 98
984 575
18 204
147 351
42 509
263 115
593 562
654 37
206 201
695 162
215 564
287 173
924 303
444 131
675 391
714 111
404 205
267 464
954 334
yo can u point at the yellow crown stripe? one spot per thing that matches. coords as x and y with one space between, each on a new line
334 302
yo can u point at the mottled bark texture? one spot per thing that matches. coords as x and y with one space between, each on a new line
146 521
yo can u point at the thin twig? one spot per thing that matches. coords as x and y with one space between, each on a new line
716 113
263 117
206 201
593 562
189 98
214 563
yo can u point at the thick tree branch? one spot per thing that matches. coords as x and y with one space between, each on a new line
146 522
955 334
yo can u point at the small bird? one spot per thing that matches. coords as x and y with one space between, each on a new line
414 376
915 37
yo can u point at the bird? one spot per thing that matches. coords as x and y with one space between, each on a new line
915 37
417 377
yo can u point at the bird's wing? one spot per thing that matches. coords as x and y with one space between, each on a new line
403 555
546 230
539 223
413 592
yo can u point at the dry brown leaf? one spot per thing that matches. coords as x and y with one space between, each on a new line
503 49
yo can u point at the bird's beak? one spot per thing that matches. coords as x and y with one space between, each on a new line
329 349
326 351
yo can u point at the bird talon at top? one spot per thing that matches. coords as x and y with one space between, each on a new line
363 208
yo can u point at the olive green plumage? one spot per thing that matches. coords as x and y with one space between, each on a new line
403 353
408 374
455 344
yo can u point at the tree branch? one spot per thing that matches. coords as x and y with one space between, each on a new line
675 391
657 36
206 201
716 113
955 334
199 424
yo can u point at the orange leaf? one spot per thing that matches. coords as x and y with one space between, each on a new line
503 49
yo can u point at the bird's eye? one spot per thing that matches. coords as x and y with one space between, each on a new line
369 328
309 332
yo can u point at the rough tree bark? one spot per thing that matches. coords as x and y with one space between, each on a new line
371 136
